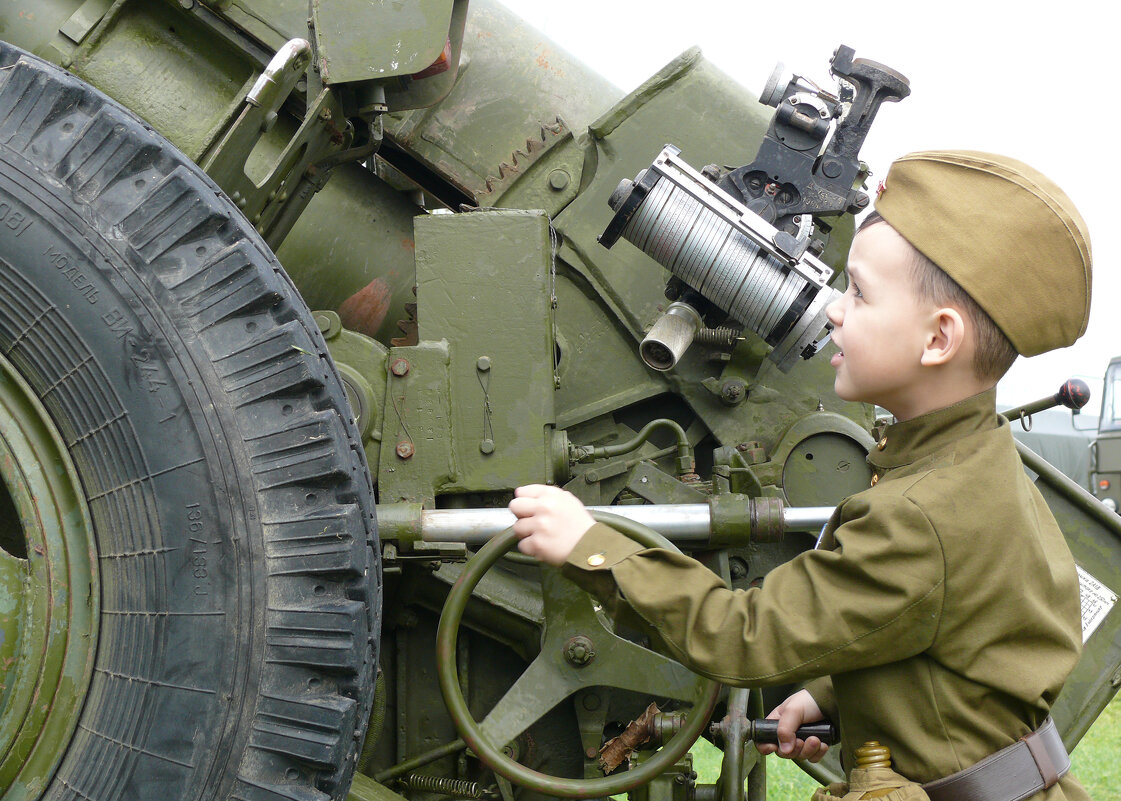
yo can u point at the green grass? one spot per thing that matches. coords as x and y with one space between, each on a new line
1096 762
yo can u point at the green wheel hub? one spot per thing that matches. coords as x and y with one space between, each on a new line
49 593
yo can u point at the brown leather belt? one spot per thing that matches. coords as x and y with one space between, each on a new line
1033 763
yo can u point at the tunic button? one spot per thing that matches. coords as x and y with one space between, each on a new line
881 444
596 559
875 481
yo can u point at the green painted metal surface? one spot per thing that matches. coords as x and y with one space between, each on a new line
186 98
515 85
471 407
360 41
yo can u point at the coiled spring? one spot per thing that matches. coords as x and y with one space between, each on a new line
460 788
724 336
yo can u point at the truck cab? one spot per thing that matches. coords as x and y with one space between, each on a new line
1105 452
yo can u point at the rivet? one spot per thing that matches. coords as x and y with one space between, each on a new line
881 444
487 446
596 559
482 364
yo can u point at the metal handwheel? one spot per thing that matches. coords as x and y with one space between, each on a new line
557 673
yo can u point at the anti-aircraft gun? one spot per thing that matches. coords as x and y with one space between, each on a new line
229 526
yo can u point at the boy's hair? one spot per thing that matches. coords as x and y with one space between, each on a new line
994 353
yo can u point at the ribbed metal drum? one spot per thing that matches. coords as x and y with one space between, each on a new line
760 276
720 262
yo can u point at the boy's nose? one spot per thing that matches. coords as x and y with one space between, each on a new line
833 311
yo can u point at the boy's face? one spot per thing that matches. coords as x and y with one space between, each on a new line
880 325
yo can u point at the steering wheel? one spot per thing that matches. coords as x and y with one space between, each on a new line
578 651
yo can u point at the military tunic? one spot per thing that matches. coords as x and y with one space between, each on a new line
944 605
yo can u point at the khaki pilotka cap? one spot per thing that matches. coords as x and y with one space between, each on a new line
1004 232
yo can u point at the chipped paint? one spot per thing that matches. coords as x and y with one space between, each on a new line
365 310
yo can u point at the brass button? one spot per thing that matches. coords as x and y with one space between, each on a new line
875 481
881 444
596 559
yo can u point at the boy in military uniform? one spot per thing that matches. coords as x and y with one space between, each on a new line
940 613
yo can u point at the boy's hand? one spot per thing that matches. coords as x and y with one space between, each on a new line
796 710
550 522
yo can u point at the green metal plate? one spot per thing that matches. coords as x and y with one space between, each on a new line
361 41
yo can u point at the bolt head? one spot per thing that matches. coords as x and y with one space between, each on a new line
399 367
405 449
579 651
732 392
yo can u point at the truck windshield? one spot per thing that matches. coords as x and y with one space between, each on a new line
1111 399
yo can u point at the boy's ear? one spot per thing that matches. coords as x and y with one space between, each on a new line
945 338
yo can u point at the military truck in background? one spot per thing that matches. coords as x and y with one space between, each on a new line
253 551
1105 452
1105 449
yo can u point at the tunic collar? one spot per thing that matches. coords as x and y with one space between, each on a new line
906 442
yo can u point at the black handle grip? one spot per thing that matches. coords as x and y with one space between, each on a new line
1074 394
766 731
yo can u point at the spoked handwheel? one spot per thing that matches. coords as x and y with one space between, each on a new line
578 651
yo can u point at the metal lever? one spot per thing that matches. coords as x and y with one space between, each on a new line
1073 394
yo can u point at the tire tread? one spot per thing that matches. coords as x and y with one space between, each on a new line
238 312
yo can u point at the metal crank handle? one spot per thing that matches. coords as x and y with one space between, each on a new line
766 731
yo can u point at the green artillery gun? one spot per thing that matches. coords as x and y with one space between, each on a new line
229 525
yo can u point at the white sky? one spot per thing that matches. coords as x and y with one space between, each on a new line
1032 80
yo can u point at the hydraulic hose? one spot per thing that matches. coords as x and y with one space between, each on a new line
685 463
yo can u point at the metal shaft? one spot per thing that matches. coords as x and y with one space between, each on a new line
677 522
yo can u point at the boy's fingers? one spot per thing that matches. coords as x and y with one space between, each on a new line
523 507
815 749
787 726
534 490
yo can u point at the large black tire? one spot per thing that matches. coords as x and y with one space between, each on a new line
230 500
